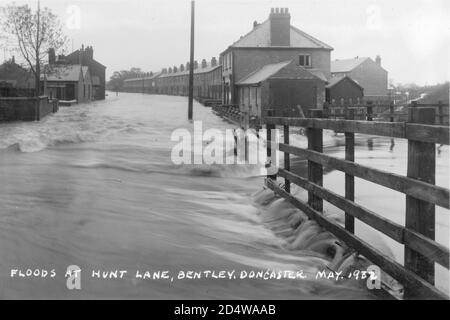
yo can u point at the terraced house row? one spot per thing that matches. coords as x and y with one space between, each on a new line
175 81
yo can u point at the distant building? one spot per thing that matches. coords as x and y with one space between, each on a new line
272 41
285 87
367 73
85 57
68 83
343 90
175 81
16 81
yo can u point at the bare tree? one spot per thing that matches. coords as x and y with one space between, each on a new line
33 33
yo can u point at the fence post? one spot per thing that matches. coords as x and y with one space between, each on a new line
269 128
369 110
391 111
349 179
315 171
326 109
420 215
441 112
37 109
287 160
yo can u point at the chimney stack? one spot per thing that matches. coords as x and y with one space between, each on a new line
80 55
195 64
188 66
204 64
378 60
181 67
170 70
175 69
213 62
255 24
280 27
61 59
51 56
89 53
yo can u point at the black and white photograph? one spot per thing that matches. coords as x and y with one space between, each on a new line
248 151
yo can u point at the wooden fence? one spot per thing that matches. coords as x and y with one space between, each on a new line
418 234
385 111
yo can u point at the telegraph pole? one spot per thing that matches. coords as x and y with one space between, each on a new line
191 63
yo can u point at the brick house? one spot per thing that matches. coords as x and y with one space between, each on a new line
68 83
16 81
272 41
284 87
342 90
367 73
85 57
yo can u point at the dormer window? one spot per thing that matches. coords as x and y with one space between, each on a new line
304 60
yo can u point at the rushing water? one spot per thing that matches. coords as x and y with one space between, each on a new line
94 186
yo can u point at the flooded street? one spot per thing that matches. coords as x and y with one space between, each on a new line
94 186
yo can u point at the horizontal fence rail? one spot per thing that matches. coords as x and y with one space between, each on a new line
429 248
416 188
421 193
411 131
382 110
396 270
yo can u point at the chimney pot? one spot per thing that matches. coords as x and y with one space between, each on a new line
280 27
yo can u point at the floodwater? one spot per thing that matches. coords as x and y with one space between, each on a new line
94 186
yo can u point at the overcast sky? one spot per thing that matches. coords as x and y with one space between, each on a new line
412 36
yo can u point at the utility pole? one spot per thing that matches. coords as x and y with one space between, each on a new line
191 63
38 63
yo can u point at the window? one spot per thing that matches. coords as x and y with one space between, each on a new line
304 60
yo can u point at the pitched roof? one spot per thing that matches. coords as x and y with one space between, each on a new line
199 70
260 37
275 70
69 72
346 65
15 75
336 79
74 56
264 73
319 74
